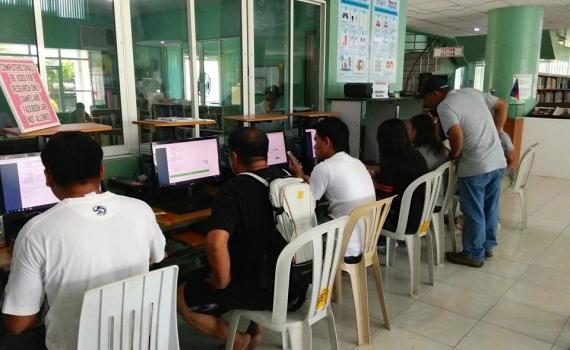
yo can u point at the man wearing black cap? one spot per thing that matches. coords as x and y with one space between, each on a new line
466 116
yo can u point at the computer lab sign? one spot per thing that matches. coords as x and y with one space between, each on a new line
445 52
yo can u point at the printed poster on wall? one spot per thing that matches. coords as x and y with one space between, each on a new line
26 95
385 40
525 85
353 41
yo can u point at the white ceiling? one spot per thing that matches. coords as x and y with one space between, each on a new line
460 17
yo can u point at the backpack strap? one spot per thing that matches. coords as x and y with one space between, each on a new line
257 177
266 182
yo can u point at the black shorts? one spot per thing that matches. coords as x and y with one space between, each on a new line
202 298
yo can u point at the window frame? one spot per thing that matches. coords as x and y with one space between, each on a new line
126 73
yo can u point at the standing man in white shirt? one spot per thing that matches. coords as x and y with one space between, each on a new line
87 240
342 179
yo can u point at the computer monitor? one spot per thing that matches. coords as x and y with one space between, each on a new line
24 184
310 143
277 152
178 163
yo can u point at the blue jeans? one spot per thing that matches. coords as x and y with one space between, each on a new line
479 199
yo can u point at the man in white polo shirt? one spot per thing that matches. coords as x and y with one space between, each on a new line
342 179
87 240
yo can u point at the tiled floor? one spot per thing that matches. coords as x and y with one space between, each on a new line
519 300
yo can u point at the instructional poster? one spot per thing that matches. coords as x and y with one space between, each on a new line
385 40
526 85
26 94
354 37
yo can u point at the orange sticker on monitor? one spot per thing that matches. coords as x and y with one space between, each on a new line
323 299
424 227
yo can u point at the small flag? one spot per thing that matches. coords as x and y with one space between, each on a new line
515 90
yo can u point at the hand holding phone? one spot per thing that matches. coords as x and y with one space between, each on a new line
294 165
293 158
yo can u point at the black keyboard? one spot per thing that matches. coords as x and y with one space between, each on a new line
185 205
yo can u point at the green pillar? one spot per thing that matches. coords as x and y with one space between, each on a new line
512 47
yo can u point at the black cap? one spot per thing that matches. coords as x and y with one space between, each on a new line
433 83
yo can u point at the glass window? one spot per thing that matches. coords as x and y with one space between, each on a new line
219 61
306 56
83 76
271 52
458 78
17 38
161 58
479 76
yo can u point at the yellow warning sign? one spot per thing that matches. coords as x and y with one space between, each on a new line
323 298
424 227
300 194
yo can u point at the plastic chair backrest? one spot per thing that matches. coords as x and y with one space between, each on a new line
326 241
448 188
432 183
135 313
373 215
525 167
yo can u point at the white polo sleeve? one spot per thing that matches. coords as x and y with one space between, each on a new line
24 292
319 180
157 241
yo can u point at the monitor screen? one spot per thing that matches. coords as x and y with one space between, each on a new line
24 184
186 162
310 142
277 153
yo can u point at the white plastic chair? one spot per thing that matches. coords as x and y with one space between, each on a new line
373 216
519 185
135 313
432 182
438 222
295 327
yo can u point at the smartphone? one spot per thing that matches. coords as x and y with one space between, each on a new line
293 158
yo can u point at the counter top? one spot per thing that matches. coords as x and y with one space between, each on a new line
364 99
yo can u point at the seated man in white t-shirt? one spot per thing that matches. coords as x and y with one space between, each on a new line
87 240
342 179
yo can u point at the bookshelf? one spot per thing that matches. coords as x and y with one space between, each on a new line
553 89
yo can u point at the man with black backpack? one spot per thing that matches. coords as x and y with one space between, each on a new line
242 246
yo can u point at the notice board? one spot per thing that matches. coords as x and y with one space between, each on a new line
26 95
368 40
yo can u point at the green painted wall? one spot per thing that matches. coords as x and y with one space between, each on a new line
473 47
17 25
560 52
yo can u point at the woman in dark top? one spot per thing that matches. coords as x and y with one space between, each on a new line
423 136
400 165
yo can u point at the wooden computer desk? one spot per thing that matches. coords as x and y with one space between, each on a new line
314 114
41 134
157 124
154 125
168 220
248 120
5 257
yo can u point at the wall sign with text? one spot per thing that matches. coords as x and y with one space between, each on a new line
26 94
353 40
384 50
